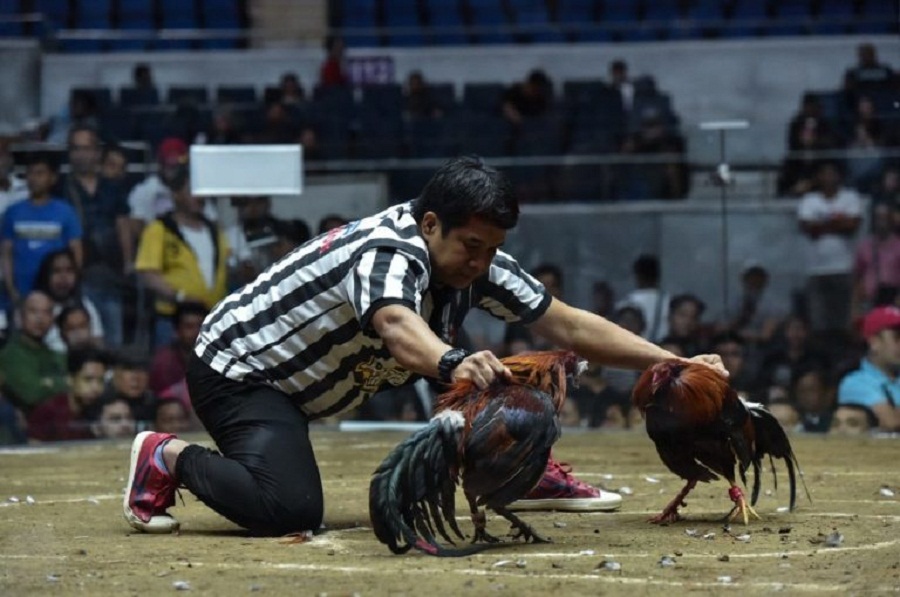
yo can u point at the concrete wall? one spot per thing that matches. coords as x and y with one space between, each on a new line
757 80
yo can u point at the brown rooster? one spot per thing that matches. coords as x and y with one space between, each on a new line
495 441
703 430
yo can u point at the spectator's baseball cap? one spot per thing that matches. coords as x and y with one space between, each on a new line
879 319
172 151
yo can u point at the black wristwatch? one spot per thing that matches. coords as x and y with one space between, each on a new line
450 361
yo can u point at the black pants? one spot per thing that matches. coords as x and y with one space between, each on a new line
266 478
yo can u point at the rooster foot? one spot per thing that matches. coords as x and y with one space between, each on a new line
667 516
522 529
741 507
481 535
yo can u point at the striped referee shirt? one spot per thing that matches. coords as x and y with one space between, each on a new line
303 326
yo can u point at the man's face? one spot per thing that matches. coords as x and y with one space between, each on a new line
849 421
884 348
811 394
37 315
87 383
84 152
684 319
188 329
115 165
115 421
130 382
76 328
62 277
171 418
465 253
186 202
40 179
732 355
552 284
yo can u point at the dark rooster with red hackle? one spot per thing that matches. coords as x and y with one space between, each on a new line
495 442
703 431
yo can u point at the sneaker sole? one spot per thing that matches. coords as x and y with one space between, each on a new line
157 524
601 504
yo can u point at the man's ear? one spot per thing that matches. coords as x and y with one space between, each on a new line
430 225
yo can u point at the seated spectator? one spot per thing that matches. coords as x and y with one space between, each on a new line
417 100
169 364
171 417
604 299
68 415
632 319
74 326
888 191
551 277
876 384
868 74
142 77
599 404
114 169
31 372
809 118
685 312
250 238
798 172
731 348
866 140
289 234
675 346
224 128
60 279
33 228
783 409
652 301
814 398
130 381
278 126
115 420
755 315
668 180
853 419
619 79
182 257
80 111
876 268
791 354
530 98
290 90
829 217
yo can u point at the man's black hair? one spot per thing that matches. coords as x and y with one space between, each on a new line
83 128
296 231
43 157
729 337
69 307
680 299
188 308
466 187
79 357
646 269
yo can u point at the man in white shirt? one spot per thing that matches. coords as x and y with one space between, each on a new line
829 217
649 298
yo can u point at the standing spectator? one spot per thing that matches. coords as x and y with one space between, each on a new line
649 298
876 271
182 257
152 198
115 420
868 74
829 217
333 72
169 363
130 381
876 384
619 80
30 371
58 276
67 416
103 211
33 228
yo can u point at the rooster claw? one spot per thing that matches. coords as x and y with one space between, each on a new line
482 535
529 535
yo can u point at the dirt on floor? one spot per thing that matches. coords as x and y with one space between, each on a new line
66 535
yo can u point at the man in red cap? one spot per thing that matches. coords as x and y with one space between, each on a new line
876 384
152 198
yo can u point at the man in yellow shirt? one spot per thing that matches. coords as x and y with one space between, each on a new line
181 257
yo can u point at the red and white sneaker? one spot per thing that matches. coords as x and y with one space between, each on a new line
150 490
559 490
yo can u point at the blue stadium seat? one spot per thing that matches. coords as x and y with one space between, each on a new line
56 12
624 17
792 17
116 124
428 138
578 19
705 18
835 18
491 22
385 98
359 15
663 16
102 96
130 97
221 14
134 16
9 8
483 134
483 97
177 14
749 18
446 25
444 94
532 18
402 16
879 16
379 137
187 94
236 94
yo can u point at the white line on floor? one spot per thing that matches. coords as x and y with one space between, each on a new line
39 502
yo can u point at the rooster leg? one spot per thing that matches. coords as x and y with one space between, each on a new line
741 507
479 519
523 529
670 512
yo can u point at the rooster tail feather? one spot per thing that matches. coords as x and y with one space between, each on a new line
772 441
756 482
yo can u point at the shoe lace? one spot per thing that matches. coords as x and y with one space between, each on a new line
564 470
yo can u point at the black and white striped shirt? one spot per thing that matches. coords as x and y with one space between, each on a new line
303 325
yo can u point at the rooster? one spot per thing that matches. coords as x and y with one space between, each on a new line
495 441
703 430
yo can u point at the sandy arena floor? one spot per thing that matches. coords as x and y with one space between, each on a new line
72 538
